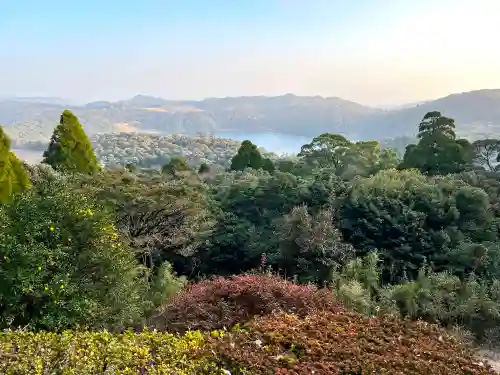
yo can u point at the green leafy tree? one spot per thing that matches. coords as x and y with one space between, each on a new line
366 158
176 166
311 247
411 219
164 219
250 202
388 159
63 265
438 151
70 150
14 177
347 159
248 156
296 167
326 150
165 284
267 165
233 248
357 284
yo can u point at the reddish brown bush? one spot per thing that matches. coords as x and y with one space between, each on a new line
223 302
326 343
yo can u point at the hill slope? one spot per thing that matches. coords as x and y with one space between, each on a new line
477 114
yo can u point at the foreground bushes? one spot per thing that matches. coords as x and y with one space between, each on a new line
471 303
323 343
102 353
223 302
343 344
63 265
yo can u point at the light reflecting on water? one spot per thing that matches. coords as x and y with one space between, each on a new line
274 142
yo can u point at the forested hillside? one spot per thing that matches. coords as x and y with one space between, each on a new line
154 151
476 113
345 259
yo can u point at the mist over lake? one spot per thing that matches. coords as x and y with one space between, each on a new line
271 141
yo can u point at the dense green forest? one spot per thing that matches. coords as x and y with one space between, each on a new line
347 259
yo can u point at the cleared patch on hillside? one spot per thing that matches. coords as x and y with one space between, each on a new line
123 127
178 109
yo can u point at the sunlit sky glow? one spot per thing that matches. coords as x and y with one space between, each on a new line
376 52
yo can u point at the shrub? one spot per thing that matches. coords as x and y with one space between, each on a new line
471 303
223 302
326 343
63 265
83 353
165 284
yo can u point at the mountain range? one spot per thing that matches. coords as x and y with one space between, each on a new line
476 114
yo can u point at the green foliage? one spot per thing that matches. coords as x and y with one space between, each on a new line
438 151
70 149
427 238
234 247
411 219
357 284
63 264
248 156
83 353
326 150
176 166
164 219
470 303
324 342
165 285
13 176
248 205
154 151
310 246
345 158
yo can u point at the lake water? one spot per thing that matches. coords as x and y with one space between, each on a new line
271 141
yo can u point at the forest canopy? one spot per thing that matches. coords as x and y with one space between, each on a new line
218 235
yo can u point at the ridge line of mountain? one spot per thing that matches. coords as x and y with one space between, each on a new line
477 115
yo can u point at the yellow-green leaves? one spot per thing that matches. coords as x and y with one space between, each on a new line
82 353
70 150
13 176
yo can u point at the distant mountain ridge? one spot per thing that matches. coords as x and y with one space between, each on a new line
477 114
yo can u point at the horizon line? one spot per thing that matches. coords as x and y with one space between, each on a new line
79 103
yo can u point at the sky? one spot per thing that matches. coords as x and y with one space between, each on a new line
375 52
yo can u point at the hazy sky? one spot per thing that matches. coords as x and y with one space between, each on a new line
375 52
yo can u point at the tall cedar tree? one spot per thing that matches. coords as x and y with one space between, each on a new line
248 156
14 178
70 149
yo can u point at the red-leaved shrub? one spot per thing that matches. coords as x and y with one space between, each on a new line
326 343
222 302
